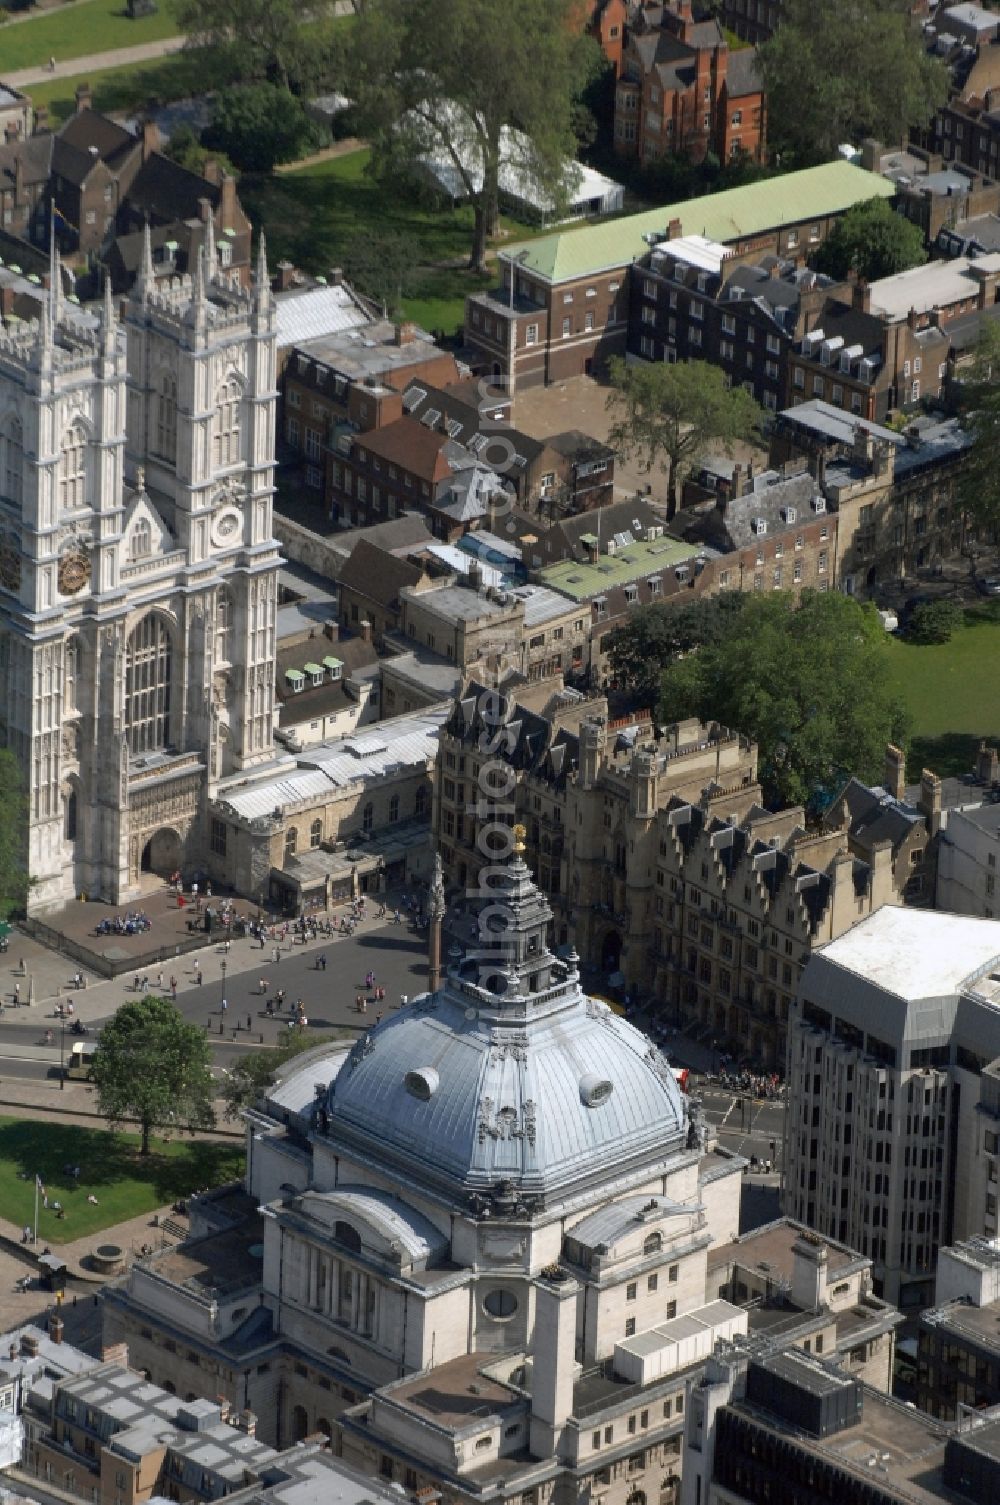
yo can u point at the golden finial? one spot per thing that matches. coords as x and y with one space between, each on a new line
520 832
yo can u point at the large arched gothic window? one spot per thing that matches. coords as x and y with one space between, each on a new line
166 418
73 468
147 685
11 459
227 424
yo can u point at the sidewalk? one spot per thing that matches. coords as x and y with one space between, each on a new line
145 52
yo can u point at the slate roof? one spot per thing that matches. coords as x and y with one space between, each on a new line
743 75
462 419
89 128
618 518
876 816
35 156
378 575
771 499
165 191
318 700
531 745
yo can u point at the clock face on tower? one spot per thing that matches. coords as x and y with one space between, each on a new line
74 571
226 526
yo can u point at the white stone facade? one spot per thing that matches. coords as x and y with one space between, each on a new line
138 572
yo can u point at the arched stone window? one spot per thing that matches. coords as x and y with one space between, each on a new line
653 1244
368 817
315 833
291 841
11 459
226 449
142 539
73 468
166 418
394 809
223 625
147 685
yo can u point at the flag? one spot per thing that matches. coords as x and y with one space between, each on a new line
60 221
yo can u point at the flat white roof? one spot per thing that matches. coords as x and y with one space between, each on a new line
916 953
935 285
696 251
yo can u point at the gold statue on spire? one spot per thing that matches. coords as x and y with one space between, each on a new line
520 832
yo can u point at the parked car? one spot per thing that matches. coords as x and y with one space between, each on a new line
990 586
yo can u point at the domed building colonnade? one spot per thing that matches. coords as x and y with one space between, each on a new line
461 1238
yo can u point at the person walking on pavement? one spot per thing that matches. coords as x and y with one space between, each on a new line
173 988
276 955
197 972
228 944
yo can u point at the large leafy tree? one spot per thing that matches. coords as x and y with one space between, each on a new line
654 635
449 79
259 125
666 415
808 683
979 398
840 70
152 1065
13 830
259 38
873 241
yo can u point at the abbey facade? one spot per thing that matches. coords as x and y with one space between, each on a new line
138 571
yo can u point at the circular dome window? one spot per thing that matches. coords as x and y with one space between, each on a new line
421 1083
595 1090
500 1303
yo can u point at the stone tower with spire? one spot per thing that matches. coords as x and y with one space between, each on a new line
138 570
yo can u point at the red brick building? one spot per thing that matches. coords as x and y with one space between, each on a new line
681 91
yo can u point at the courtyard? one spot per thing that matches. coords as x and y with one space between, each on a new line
952 692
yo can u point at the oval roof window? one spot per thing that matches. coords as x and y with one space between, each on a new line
595 1090
422 1083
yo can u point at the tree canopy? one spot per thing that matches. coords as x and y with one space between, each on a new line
840 70
13 831
808 683
979 398
654 635
259 125
249 1077
873 241
150 1064
667 414
449 79
260 38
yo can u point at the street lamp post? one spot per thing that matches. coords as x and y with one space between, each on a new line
62 1057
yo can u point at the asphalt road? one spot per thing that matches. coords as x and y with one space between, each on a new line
745 1125
396 954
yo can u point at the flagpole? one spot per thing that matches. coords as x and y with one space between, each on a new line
36 1207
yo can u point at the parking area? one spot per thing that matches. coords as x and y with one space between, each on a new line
583 404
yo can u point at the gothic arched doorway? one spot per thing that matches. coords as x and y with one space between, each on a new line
611 952
162 853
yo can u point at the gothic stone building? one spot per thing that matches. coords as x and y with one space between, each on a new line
660 861
138 571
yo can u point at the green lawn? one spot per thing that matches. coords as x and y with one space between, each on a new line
952 691
175 77
111 1169
311 215
79 29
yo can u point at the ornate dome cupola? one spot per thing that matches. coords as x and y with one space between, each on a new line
507 1089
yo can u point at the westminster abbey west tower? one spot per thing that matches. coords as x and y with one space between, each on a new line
138 572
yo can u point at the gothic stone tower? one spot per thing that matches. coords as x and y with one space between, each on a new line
138 572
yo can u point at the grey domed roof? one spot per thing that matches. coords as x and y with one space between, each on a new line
509 1091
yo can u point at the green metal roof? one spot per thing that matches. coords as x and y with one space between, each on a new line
738 212
294 674
313 668
635 562
333 663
